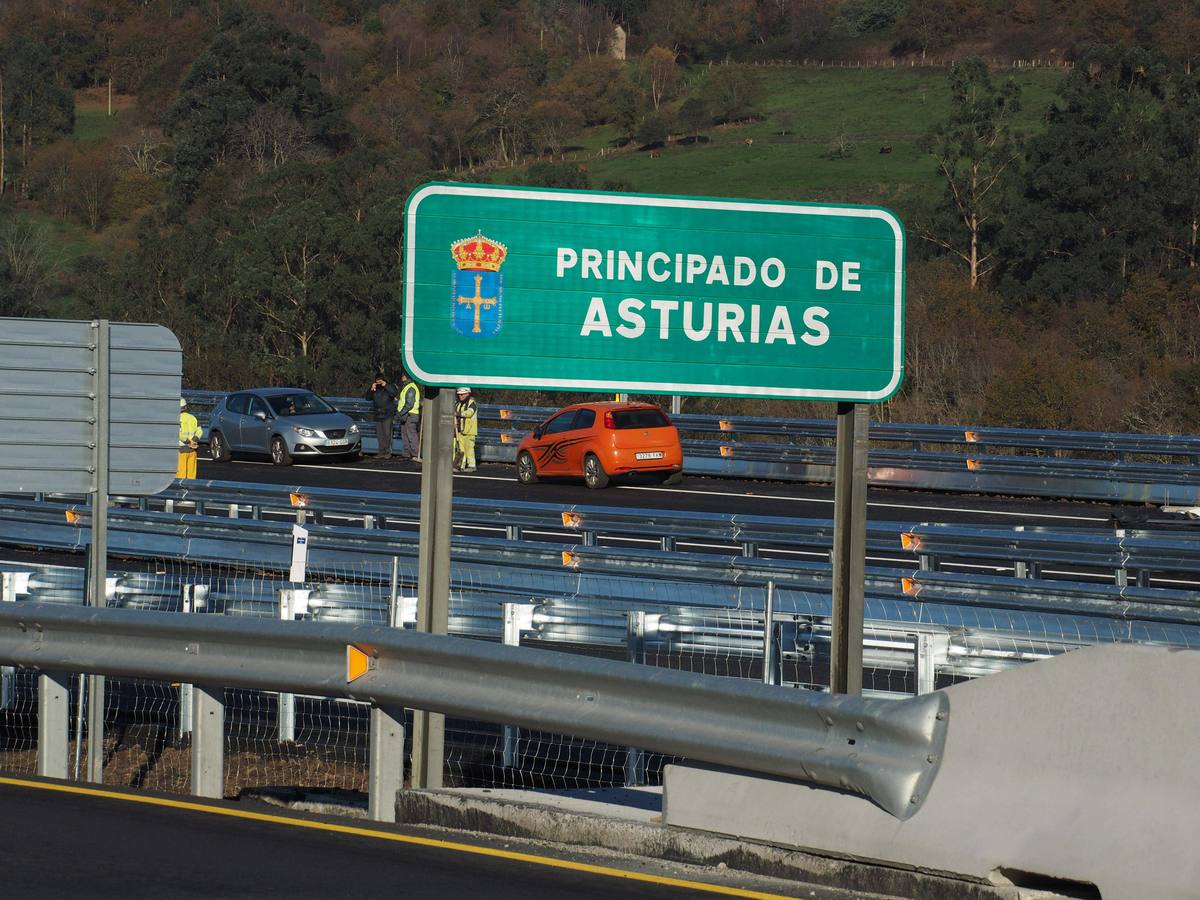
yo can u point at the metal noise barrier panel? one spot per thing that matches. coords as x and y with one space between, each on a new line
888 750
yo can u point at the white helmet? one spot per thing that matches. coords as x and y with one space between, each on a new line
463 390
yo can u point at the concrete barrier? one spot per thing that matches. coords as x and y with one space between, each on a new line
1076 771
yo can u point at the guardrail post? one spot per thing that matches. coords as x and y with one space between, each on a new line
589 538
518 617
667 543
208 741
1026 569
386 758
292 603
770 673
512 532
54 724
925 663
749 548
635 759
187 604
235 510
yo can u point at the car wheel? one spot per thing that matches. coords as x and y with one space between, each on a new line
594 475
672 478
526 468
218 448
279 452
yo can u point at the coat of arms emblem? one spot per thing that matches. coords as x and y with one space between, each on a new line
478 286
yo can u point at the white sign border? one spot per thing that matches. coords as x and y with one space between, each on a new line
648 387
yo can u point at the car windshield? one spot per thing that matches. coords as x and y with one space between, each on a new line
639 418
299 404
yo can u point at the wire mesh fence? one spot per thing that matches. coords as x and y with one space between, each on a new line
707 625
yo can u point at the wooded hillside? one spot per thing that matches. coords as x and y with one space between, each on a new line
237 171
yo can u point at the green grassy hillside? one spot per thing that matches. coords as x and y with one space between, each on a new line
870 108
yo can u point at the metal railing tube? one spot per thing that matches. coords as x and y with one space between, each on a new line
887 750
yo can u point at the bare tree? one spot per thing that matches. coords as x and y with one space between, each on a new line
144 151
661 73
270 137
25 255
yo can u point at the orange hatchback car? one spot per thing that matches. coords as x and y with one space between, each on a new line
600 440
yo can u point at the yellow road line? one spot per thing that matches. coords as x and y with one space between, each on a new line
389 836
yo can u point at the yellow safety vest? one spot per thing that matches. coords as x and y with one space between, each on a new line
189 430
466 417
410 397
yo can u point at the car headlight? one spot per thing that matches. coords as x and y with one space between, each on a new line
354 429
306 432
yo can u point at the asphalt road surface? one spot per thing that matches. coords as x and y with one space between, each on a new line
71 841
496 481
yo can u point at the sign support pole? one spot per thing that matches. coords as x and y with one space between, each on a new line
849 548
98 576
433 567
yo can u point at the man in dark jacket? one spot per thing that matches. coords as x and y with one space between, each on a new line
383 396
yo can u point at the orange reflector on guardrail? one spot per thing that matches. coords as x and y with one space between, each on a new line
974 465
506 413
73 517
972 437
910 587
726 425
572 520
569 558
910 541
358 663
506 438
726 451
298 500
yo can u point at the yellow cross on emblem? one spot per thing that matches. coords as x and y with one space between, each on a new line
478 301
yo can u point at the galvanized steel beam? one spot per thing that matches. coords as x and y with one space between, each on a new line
887 750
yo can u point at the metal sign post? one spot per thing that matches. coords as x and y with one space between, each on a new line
849 548
98 576
433 564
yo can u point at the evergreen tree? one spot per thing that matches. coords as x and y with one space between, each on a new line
251 88
1091 212
37 107
1182 135
974 150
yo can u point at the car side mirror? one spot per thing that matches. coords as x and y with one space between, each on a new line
260 415
538 432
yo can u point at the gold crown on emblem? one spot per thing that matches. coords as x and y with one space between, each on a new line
479 253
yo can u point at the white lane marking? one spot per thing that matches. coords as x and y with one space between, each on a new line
745 496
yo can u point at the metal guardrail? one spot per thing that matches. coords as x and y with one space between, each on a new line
1128 554
383 510
524 569
887 750
930 457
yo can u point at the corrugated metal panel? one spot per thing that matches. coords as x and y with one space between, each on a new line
47 411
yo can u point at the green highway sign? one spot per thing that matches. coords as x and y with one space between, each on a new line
596 291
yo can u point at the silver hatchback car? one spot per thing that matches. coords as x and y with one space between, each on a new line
287 423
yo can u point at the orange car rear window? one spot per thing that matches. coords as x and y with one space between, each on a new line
639 418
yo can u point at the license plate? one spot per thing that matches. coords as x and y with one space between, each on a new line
337 442
657 454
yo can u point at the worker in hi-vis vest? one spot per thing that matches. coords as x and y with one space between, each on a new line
408 411
466 427
189 440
